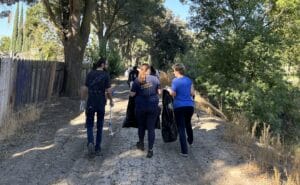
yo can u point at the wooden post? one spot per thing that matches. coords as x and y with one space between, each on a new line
51 81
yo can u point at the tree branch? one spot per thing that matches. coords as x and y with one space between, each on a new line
52 17
117 28
112 20
86 19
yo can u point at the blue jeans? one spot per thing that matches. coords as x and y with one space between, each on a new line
146 119
90 113
183 116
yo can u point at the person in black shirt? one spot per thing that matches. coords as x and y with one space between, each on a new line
132 76
97 86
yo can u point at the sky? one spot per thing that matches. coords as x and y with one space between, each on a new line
178 9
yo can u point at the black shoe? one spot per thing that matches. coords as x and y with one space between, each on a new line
189 141
140 146
149 154
98 153
91 149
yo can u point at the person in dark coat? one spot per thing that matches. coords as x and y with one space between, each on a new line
183 91
154 72
145 89
132 76
97 85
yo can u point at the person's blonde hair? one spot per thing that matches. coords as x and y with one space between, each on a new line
143 72
179 67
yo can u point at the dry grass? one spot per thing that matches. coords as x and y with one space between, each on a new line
237 131
14 122
267 151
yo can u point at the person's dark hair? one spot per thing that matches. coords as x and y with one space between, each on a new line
97 64
152 71
134 68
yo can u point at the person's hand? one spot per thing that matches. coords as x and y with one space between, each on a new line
111 103
82 105
168 89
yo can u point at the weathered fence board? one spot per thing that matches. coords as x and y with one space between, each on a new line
25 82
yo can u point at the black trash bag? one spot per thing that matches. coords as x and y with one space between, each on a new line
168 125
130 120
157 124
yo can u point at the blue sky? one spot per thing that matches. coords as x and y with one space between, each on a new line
178 9
5 27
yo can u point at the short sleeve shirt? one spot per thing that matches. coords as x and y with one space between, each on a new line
97 82
182 87
146 93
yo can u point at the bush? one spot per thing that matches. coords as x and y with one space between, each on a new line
115 65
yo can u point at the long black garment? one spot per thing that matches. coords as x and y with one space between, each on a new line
130 120
168 125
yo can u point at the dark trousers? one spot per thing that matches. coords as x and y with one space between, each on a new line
90 113
183 116
146 119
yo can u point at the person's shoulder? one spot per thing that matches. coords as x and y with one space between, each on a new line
91 73
154 78
188 79
174 80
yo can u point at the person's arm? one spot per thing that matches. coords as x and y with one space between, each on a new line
172 90
109 91
158 87
83 97
83 92
192 90
132 92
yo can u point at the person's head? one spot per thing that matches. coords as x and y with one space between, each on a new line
134 68
101 63
152 70
143 72
178 69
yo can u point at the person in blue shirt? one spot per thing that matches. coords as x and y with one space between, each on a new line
97 85
146 89
183 91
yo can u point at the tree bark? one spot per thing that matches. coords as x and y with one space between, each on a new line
74 53
74 29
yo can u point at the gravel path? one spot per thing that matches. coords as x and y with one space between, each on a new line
52 151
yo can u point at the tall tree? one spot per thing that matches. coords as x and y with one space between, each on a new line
14 36
40 39
168 39
115 16
19 44
72 20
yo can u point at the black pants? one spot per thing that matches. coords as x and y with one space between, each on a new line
183 116
146 119
90 113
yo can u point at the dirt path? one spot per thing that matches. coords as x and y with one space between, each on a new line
52 151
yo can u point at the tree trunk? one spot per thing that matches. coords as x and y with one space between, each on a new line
74 53
74 29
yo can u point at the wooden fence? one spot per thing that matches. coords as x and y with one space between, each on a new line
26 82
